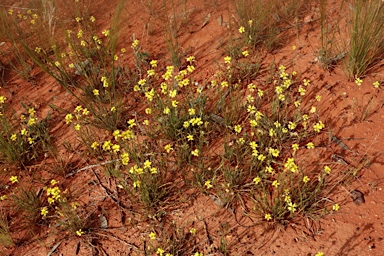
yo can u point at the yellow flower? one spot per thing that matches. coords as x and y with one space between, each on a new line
44 211
274 152
153 63
260 93
95 92
195 152
245 53
136 184
241 141
13 179
190 68
68 118
174 103
79 232
261 157
275 183
31 112
166 111
78 109
191 59
302 91
160 251
295 147
150 94
31 140
238 128
227 59
105 32
31 121
116 148
251 109
95 145
13 137
77 127
80 33
318 126
173 93
208 184
269 169
241 29
256 180
107 145
267 216
305 179
319 254
131 123
168 148
189 137
253 145
318 97
327 169
92 19
125 158
152 236
376 84
23 132
310 145
335 207
306 82
251 87
151 72
74 205
3 197
290 165
358 81
105 81
291 207
135 43
192 231
191 111
253 123
291 125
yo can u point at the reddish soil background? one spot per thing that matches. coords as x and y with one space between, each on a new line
353 230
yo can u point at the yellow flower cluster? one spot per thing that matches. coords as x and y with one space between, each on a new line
318 126
290 165
54 194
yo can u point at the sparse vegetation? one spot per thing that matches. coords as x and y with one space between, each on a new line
155 135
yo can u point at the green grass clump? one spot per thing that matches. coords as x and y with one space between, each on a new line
24 141
263 22
366 31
